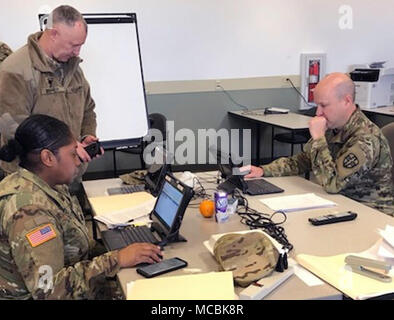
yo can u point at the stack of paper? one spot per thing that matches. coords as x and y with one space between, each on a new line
204 286
122 209
297 202
334 270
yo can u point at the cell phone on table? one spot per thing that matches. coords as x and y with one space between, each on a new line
161 267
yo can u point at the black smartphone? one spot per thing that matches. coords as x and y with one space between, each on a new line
93 149
161 267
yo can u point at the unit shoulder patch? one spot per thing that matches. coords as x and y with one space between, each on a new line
350 161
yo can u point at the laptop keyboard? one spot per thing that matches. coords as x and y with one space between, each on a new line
120 238
126 189
138 234
261 186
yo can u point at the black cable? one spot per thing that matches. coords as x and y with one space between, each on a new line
303 98
255 220
250 217
199 192
229 96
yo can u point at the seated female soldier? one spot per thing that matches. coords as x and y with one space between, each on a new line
44 243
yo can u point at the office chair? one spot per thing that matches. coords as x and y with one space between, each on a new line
156 121
388 131
291 138
299 137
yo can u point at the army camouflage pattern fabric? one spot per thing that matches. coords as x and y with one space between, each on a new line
250 256
28 203
135 177
5 51
355 162
31 83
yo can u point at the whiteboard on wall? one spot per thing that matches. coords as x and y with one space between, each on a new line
112 65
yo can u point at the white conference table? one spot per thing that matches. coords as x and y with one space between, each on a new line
347 237
290 121
385 111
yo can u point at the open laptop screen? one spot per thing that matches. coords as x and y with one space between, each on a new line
168 203
224 161
157 169
173 199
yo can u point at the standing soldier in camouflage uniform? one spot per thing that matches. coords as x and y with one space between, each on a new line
44 243
44 77
347 153
5 51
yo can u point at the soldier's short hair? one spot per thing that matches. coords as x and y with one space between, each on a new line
66 15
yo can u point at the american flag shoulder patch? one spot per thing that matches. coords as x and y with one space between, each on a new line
40 235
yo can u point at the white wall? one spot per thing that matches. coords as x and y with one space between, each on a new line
208 39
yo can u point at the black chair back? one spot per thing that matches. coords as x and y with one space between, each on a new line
159 122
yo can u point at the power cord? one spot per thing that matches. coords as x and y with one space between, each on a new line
199 190
199 193
250 217
255 220
247 108
231 98
300 94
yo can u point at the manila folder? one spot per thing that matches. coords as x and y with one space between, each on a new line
204 286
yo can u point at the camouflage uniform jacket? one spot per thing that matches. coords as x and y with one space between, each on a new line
31 83
355 162
5 51
57 268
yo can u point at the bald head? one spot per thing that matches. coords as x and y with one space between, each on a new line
334 98
339 83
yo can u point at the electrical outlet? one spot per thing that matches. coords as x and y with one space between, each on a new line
217 85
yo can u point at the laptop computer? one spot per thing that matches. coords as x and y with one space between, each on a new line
234 179
167 215
154 177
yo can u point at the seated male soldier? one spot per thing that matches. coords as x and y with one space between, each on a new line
347 153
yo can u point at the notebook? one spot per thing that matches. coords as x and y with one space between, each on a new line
154 177
234 179
166 216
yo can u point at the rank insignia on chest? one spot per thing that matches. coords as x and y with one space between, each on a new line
40 235
350 161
